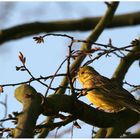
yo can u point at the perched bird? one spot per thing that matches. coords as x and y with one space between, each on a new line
105 93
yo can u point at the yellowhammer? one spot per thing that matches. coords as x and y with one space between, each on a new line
105 93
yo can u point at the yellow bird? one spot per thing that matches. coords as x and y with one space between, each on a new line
105 93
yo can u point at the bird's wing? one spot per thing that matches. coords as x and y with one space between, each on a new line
112 89
114 92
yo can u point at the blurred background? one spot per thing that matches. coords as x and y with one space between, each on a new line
44 59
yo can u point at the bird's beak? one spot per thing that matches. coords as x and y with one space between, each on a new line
74 78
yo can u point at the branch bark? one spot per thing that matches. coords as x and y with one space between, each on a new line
88 114
85 24
32 108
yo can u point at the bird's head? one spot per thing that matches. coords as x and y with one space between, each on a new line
85 73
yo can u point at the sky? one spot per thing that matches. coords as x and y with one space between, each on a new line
44 59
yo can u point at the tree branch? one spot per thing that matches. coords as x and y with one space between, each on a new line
92 38
84 24
101 133
133 135
104 21
55 103
118 76
45 131
126 62
32 108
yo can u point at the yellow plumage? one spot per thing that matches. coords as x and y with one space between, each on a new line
105 93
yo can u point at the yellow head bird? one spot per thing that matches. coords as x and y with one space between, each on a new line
105 93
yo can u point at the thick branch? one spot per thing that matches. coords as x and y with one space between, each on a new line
31 110
88 114
96 32
104 21
119 75
84 24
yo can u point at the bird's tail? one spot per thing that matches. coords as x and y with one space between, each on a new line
133 105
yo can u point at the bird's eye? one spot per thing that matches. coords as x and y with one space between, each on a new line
82 72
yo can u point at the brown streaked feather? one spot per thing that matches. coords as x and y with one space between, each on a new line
106 93
112 88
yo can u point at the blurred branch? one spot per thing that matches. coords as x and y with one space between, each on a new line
84 24
103 22
127 61
91 38
118 76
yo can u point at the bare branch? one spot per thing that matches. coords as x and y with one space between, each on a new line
127 61
84 24
92 38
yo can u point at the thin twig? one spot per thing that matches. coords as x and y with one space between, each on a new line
68 68
54 77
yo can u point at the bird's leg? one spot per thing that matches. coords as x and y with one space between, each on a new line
82 93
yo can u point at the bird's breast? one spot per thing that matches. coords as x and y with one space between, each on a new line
99 100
